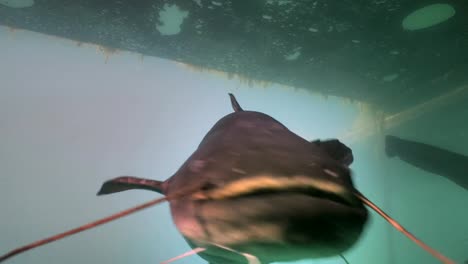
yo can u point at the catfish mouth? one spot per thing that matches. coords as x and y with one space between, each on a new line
264 185
297 215
315 193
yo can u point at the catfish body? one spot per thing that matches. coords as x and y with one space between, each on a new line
257 188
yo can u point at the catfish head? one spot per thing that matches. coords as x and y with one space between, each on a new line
255 187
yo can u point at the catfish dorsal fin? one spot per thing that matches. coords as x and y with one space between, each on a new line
124 183
235 105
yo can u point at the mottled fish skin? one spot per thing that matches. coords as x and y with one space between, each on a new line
443 162
259 189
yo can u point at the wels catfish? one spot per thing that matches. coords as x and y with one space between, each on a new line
451 165
255 192
274 195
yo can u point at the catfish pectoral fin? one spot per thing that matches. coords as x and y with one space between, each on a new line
125 183
336 149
